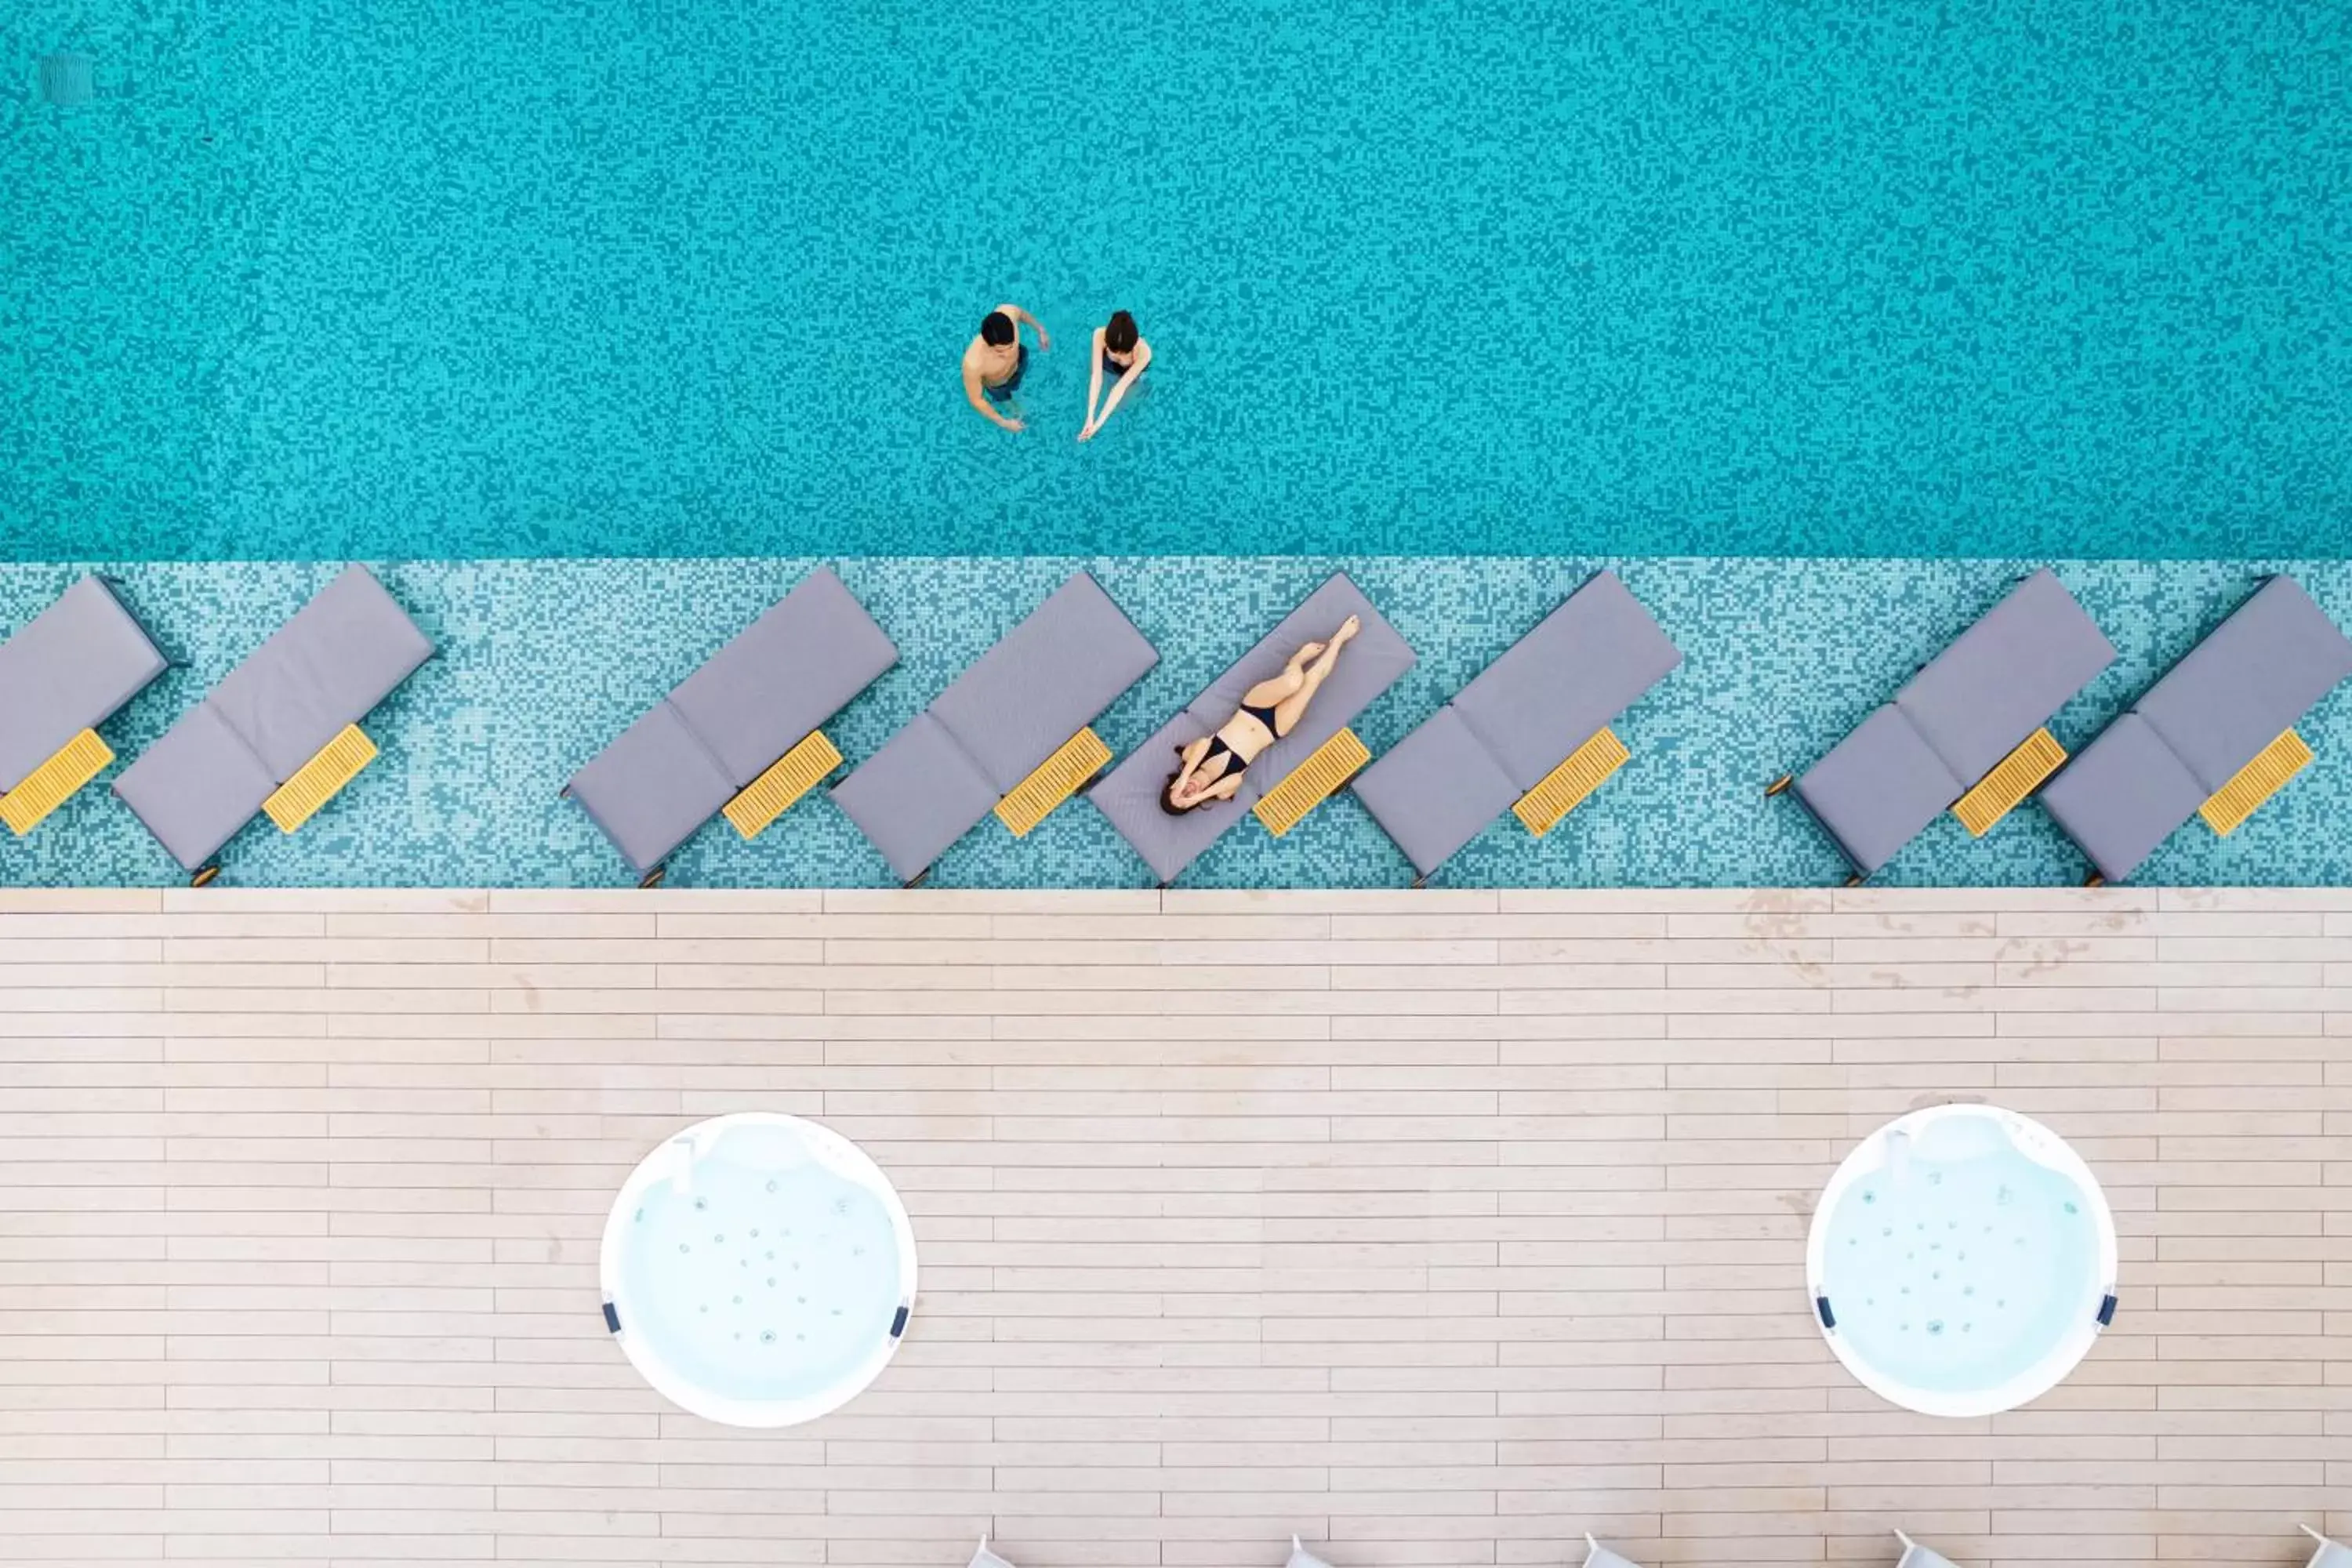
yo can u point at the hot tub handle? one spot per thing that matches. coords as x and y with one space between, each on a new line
1821 1305
2106 1309
612 1319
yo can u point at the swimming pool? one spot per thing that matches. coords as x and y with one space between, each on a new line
759 1269
544 662
1996 277
1962 1260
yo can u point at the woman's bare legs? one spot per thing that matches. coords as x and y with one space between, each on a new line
1289 693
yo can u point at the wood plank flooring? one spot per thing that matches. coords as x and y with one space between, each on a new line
1440 1228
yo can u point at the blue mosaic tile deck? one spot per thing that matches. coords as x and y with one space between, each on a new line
544 661
541 278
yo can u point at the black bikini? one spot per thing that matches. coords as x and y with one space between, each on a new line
1217 747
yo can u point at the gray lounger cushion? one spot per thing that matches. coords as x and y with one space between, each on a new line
2003 678
1043 681
2123 796
339 656
65 671
918 795
1953 722
651 788
1130 794
1878 788
727 723
783 676
1559 685
197 786
1552 691
2249 681
1436 789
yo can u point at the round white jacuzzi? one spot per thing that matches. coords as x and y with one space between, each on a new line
758 1269
1962 1260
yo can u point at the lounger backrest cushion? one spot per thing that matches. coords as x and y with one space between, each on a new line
197 786
1436 789
652 787
2005 676
2123 796
2257 673
784 675
917 796
65 671
1553 690
1130 794
1878 788
339 656
1043 681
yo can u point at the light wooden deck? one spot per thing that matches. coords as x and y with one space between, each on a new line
1441 1227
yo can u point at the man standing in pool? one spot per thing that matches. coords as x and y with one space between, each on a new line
993 361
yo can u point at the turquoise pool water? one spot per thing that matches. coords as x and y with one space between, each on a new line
1996 278
544 662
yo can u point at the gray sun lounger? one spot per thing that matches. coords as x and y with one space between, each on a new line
2215 736
66 671
1532 728
741 733
1010 734
1130 794
280 731
1967 733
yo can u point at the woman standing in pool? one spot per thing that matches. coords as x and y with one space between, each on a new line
1210 768
1122 352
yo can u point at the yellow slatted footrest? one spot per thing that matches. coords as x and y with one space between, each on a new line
788 778
1057 779
2256 783
52 784
1311 783
1564 788
314 784
2014 778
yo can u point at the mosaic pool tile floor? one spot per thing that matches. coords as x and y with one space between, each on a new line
542 662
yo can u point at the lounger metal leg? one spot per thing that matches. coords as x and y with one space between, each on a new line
1856 879
206 877
653 879
2096 880
1420 882
1779 785
917 880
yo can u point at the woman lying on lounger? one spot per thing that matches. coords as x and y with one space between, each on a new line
1210 768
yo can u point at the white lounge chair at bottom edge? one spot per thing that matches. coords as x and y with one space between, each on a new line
2329 1553
1302 1558
1917 1556
984 1558
1598 1556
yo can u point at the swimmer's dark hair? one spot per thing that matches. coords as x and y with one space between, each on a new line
1167 797
1119 335
997 327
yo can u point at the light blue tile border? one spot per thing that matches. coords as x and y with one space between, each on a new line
543 661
